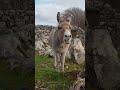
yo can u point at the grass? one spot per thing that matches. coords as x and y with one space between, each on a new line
50 78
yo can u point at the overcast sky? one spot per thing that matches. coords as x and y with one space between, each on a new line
46 10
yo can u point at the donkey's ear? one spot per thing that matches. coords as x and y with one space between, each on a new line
68 19
58 17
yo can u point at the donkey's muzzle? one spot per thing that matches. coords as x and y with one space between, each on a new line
67 40
67 37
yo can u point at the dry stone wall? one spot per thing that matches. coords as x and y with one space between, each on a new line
17 33
102 45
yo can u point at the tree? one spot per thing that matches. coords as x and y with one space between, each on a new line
77 15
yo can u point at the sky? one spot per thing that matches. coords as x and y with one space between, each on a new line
46 10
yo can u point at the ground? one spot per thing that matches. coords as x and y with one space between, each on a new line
15 79
51 78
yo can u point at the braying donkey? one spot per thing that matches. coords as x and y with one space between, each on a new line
60 40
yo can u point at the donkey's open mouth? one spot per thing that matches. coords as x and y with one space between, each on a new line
67 41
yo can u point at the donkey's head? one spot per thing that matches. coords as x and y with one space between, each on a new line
64 27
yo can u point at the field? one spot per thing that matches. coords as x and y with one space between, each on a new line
50 78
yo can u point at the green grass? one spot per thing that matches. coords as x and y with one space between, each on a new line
50 77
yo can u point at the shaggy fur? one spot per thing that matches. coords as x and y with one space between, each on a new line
59 42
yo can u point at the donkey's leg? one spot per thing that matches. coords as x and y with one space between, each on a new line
63 61
58 61
55 60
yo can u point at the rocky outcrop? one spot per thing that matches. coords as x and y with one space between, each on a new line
102 46
41 42
17 34
77 51
106 60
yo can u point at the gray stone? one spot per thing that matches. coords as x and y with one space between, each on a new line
5 18
77 51
2 25
1 12
106 60
20 23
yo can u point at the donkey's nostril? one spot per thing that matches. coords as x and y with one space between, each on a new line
70 35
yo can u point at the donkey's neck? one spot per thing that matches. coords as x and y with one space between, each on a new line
58 43
59 35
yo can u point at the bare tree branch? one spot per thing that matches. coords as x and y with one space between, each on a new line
77 16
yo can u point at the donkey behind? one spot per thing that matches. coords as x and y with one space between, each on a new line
60 40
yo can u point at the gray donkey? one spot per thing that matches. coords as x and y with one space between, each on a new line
60 40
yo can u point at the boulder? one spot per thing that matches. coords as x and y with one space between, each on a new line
77 51
106 60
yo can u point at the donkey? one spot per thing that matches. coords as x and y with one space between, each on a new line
60 40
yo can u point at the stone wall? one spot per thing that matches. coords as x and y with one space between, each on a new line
102 45
17 33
